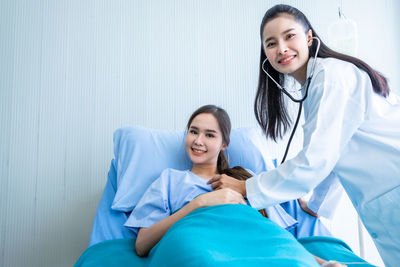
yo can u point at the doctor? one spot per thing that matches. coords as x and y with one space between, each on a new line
351 130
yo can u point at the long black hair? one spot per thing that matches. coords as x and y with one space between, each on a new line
269 106
224 123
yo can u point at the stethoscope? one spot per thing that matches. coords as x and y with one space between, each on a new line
300 101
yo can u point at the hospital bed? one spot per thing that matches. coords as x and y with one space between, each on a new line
228 235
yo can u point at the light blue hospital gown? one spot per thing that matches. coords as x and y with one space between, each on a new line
174 189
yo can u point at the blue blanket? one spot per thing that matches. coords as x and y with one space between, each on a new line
330 248
225 235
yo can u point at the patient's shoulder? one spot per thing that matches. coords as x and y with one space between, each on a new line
172 174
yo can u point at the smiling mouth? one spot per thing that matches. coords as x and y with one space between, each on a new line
286 60
198 152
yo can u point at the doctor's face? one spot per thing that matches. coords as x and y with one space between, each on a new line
286 46
204 140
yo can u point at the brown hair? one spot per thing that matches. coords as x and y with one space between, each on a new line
241 174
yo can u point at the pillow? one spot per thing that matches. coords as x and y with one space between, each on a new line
141 155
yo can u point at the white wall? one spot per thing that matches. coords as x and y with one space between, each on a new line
71 72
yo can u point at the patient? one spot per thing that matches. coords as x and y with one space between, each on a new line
177 193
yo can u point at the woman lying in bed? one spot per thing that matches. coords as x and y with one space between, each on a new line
177 193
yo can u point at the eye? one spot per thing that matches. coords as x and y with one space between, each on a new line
290 36
193 132
210 135
269 44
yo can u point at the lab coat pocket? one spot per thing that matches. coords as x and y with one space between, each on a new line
382 217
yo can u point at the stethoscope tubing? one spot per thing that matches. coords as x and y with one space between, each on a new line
300 101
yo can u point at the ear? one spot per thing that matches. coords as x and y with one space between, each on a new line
309 37
224 147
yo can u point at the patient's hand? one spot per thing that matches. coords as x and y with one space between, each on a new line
223 196
303 205
225 181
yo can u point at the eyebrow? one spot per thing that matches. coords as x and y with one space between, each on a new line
207 130
270 38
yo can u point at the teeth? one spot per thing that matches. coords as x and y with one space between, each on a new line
287 59
197 151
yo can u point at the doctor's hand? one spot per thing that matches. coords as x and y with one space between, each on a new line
303 205
224 181
223 196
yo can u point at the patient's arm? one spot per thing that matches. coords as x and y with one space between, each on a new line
147 238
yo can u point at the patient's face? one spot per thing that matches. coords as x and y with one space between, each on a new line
204 140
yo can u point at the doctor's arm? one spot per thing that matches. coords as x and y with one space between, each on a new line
323 201
333 115
325 197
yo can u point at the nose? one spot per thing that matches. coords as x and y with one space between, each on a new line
282 48
199 140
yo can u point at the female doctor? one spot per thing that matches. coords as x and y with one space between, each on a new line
351 130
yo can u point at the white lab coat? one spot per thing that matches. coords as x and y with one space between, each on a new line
354 133
324 199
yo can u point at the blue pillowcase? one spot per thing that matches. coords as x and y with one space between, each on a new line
141 154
